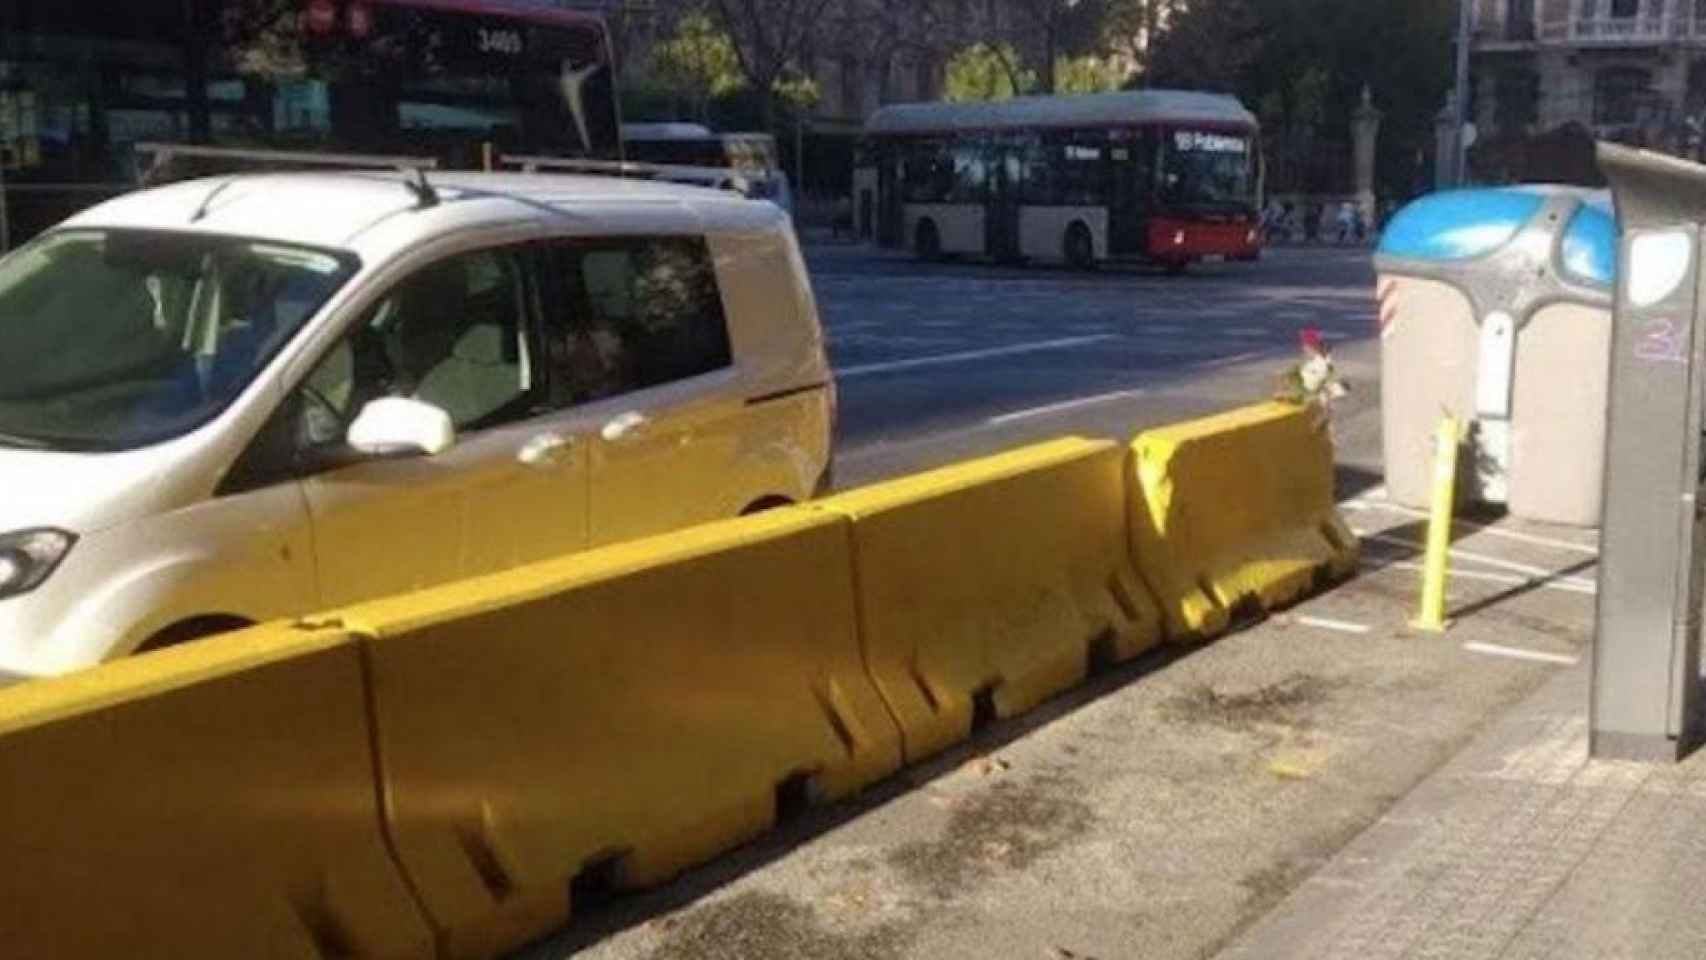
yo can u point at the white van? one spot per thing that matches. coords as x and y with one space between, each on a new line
228 401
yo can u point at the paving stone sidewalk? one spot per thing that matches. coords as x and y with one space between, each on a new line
1520 848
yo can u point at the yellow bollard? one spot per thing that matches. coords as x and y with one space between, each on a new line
1436 567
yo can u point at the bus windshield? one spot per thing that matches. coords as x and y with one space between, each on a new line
1211 172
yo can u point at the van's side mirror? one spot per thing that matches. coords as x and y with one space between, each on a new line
400 427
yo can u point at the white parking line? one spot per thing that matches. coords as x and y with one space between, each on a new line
1538 573
1503 579
1363 504
948 359
1054 408
1512 653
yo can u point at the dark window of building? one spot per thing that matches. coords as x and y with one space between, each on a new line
1624 9
1618 95
1518 103
1519 20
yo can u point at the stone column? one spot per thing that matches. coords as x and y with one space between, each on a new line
1365 133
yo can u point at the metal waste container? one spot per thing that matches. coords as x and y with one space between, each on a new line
1495 306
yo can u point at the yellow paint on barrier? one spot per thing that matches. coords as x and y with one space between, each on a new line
1003 577
212 800
1236 509
636 706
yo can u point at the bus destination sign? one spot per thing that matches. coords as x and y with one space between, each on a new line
1196 141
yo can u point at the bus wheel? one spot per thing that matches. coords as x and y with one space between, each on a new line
929 241
1177 268
1080 249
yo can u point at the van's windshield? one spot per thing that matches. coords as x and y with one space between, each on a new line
115 339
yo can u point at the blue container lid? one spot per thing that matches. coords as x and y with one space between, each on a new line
1464 224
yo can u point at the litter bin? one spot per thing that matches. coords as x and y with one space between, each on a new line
1495 306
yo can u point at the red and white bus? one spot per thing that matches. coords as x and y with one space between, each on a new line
1166 176
82 84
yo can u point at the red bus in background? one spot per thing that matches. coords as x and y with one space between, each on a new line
459 81
1166 176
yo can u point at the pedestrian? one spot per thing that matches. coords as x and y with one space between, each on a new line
1347 222
1312 222
1271 221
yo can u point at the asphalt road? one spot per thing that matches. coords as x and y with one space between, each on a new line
937 361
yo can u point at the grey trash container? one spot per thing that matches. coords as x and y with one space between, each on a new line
1495 306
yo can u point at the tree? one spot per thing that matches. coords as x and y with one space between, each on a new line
985 71
1208 45
1132 27
768 38
1058 29
869 35
1088 74
698 62
1401 51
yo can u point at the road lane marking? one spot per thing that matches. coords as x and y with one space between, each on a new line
1340 626
1512 653
1246 331
1513 535
1231 361
1054 408
948 359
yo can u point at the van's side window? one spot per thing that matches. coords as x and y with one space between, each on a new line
456 335
453 335
634 313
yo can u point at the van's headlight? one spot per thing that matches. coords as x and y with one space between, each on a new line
28 557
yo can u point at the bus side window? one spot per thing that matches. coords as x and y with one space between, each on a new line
1041 188
971 174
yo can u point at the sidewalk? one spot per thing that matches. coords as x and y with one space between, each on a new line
1519 848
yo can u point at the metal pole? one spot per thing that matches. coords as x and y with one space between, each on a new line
1431 618
5 224
1465 26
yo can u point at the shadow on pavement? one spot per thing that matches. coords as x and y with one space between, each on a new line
606 918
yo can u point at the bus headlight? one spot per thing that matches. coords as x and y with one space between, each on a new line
28 557
1178 238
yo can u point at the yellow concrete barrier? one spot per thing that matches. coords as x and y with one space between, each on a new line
1236 509
632 711
214 800
998 580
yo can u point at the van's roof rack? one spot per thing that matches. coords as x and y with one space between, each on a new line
725 178
165 153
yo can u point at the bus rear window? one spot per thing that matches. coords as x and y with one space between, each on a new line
85 81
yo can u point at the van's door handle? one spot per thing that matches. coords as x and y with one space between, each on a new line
627 428
545 449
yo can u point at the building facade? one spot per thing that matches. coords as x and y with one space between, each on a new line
1627 70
